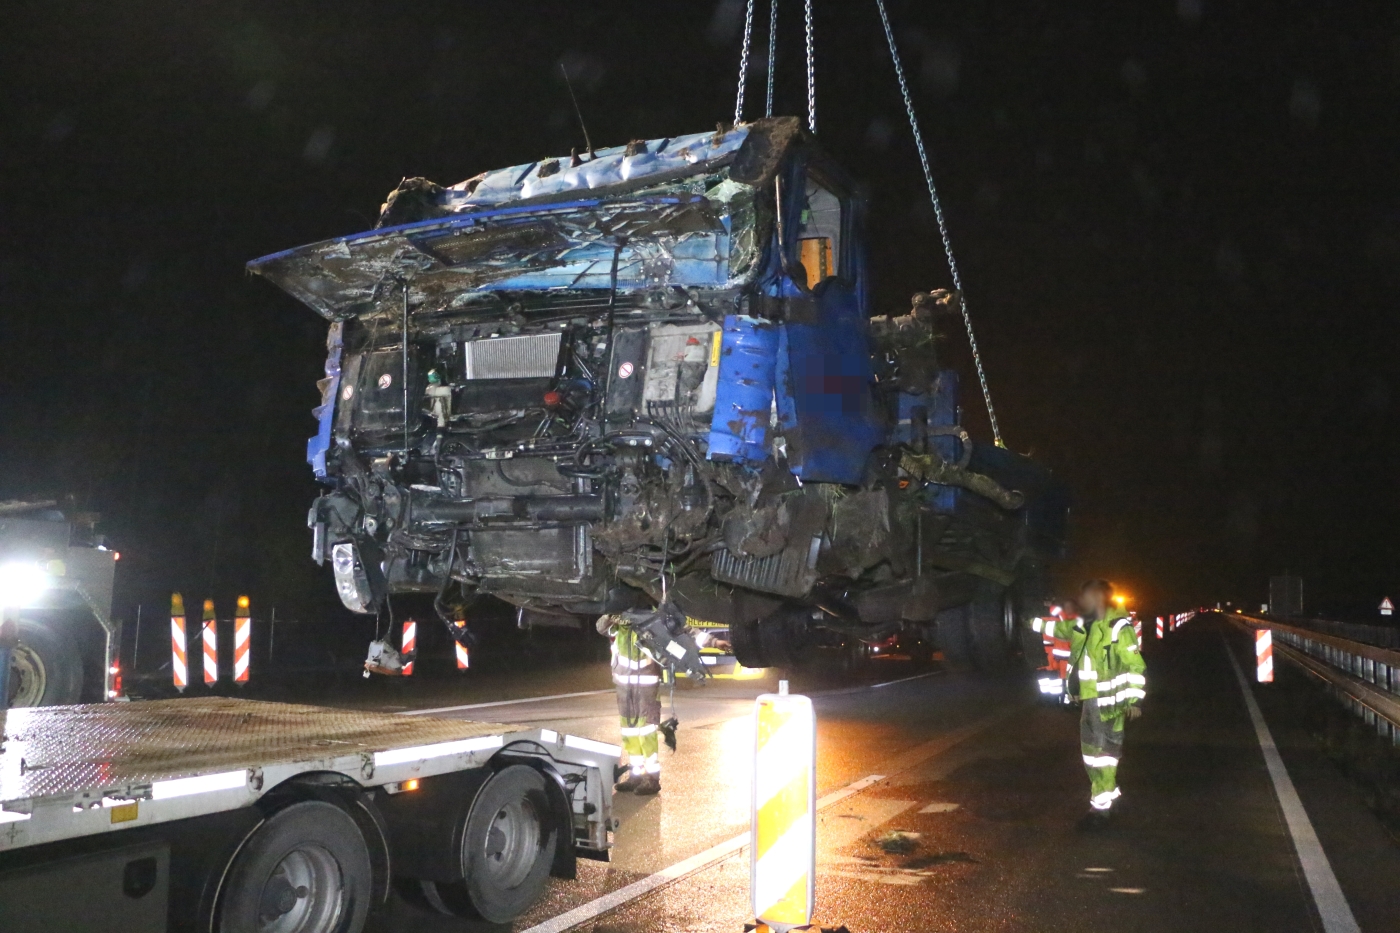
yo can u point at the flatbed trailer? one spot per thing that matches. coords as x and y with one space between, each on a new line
220 814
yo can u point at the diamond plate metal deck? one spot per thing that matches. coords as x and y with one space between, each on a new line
60 750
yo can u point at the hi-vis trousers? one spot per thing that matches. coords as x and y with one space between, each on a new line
1101 742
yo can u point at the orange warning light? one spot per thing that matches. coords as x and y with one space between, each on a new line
410 784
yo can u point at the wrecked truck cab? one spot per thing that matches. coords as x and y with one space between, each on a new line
557 382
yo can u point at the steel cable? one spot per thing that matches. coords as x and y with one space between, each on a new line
938 213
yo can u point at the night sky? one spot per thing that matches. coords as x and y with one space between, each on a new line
1178 223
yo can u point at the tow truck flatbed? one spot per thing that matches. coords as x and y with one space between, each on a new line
74 778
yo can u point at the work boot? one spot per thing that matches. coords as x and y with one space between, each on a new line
1094 821
629 784
648 784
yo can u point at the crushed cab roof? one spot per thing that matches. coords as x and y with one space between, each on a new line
349 275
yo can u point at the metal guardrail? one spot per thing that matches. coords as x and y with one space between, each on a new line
1382 636
1365 677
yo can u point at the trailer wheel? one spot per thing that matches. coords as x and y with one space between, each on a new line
507 850
306 869
45 668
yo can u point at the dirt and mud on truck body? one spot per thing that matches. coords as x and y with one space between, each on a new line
591 384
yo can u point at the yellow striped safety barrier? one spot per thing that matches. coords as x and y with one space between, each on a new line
782 858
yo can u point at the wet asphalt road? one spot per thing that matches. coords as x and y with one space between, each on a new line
987 786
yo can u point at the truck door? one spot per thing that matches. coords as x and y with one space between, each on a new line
824 379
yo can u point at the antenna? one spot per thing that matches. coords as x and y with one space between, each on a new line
579 113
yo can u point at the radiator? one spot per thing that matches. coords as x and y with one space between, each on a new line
531 356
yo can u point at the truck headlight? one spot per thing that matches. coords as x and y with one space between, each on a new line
21 584
351 581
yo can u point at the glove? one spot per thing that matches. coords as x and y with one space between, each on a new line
1134 712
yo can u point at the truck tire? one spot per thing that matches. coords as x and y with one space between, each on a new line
507 850
780 639
45 667
992 626
951 626
748 649
305 869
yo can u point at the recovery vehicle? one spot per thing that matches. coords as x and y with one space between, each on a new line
230 815
56 626
652 374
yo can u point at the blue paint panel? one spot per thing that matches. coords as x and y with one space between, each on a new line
824 399
744 392
317 446
944 412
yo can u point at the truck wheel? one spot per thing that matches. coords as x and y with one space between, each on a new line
748 649
507 850
45 668
855 656
992 626
951 627
304 870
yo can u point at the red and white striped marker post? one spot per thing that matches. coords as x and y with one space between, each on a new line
464 657
1264 655
1161 626
179 668
242 641
408 646
1137 628
209 636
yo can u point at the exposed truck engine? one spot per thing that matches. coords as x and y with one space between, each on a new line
651 374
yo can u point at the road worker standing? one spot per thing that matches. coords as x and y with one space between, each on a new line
636 675
1061 633
1107 675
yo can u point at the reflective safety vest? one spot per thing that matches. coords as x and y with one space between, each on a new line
1059 636
632 665
1110 668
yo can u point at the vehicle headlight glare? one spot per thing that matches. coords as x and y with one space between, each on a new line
21 584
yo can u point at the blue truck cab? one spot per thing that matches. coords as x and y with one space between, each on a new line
589 383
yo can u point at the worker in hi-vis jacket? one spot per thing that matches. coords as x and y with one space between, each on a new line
637 677
1108 677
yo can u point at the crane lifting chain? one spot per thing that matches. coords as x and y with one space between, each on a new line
918 142
772 62
942 222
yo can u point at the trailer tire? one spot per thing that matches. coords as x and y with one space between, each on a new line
507 850
45 667
307 866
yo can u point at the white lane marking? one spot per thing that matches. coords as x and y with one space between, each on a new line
863 687
676 872
591 693
458 709
717 853
1128 890
1327 894
940 808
